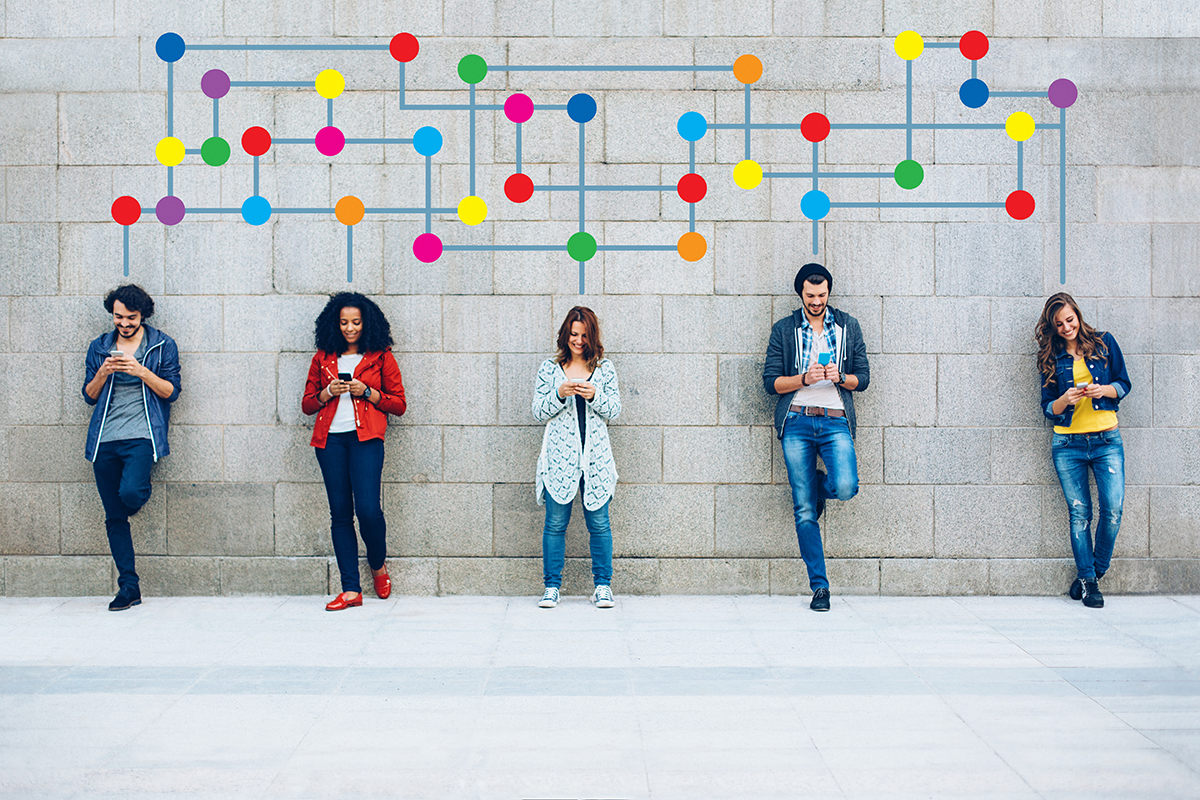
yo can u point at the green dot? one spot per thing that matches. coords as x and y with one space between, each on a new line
214 151
472 69
581 246
909 174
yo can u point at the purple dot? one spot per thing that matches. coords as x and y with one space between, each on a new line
518 108
169 210
1063 93
330 141
215 84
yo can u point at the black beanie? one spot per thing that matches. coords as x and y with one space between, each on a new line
812 269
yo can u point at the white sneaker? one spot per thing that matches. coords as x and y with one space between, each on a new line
549 599
603 597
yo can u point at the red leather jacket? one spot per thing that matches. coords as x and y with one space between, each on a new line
377 370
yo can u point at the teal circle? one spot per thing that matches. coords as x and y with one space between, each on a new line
909 174
214 151
472 69
581 246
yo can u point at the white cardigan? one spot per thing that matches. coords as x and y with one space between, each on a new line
562 460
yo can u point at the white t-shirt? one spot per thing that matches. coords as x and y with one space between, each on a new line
822 394
343 419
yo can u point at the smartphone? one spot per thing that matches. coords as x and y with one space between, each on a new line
115 353
345 376
1082 385
824 359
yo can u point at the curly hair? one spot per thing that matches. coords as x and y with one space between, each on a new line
376 332
593 350
133 297
1050 344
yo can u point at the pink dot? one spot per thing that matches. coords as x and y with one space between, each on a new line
330 141
427 248
518 108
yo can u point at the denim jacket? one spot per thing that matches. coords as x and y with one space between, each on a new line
1106 369
162 358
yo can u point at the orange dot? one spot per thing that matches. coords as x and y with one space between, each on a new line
349 210
747 69
692 246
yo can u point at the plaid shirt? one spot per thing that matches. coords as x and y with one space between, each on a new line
805 336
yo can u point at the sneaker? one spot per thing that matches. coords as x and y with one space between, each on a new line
1091 595
820 601
820 500
603 597
126 598
1076 590
549 598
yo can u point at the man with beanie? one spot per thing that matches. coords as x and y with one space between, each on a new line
815 360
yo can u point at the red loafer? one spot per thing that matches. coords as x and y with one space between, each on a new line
383 586
341 602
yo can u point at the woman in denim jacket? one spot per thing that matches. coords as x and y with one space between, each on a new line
575 394
1084 381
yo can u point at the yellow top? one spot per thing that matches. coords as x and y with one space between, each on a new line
1087 419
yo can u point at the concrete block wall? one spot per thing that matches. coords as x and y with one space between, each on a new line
958 495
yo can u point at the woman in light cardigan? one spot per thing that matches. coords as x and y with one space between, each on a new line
575 395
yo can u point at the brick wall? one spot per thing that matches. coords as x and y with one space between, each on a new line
958 494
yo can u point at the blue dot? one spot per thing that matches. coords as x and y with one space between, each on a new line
256 210
814 204
170 47
973 93
427 140
692 126
581 107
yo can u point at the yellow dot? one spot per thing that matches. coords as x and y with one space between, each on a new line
330 84
169 151
692 246
1019 126
747 69
472 210
909 45
747 174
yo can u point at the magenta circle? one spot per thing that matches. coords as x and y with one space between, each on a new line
518 108
427 248
1063 93
215 84
330 141
170 210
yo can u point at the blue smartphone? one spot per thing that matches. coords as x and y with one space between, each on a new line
824 358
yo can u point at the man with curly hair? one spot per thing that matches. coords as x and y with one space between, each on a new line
132 377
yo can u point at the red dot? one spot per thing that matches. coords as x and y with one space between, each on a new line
692 188
973 45
815 127
256 141
1019 205
518 188
126 210
404 47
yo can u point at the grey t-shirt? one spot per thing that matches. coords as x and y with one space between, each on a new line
126 417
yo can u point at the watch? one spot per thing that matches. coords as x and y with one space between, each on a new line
367 393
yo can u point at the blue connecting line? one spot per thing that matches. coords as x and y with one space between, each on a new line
456 107
814 237
349 253
329 112
639 247
192 151
755 126
974 69
171 181
747 121
941 45
293 141
402 84
393 140
908 105
287 47
582 190
916 205
506 247
428 194
813 174
409 210
612 68
126 227
691 156
895 126
218 210
170 99
216 117
276 84
256 176
1017 94
1062 195
1020 165
604 188
518 147
471 104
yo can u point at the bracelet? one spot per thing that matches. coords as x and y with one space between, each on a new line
803 382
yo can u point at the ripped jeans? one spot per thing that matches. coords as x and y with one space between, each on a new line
1073 453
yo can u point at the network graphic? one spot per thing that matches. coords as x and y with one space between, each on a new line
518 109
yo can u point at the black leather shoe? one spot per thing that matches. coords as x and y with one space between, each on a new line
126 598
1091 595
820 601
820 500
1076 590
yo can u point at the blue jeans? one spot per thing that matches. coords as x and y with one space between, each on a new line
353 473
1073 453
804 438
554 541
122 470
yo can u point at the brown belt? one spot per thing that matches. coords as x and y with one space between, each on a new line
818 411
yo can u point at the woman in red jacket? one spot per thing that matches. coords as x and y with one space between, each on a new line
353 384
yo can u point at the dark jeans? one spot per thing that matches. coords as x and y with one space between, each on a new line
353 473
804 438
122 471
1073 453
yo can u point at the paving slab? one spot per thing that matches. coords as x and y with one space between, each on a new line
661 697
